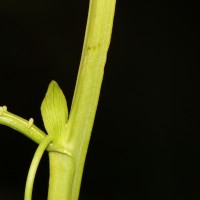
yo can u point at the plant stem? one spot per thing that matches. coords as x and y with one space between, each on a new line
23 126
61 176
67 155
89 80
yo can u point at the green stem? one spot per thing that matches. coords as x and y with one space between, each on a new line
23 126
61 176
67 158
89 80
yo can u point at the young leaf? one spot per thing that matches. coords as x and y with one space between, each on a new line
54 111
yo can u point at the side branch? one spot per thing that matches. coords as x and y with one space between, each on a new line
26 127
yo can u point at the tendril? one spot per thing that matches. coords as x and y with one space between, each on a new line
34 166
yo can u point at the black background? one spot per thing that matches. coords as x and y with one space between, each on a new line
145 142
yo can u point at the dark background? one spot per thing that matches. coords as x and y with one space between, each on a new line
145 142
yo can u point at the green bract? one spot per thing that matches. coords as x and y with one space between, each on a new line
55 112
